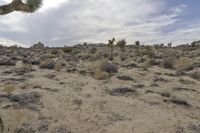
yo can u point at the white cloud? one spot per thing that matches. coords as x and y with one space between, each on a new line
73 21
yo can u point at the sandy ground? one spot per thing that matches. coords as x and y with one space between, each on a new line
80 104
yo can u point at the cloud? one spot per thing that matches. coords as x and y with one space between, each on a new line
63 22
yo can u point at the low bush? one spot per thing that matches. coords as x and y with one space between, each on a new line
195 75
168 63
183 64
67 50
9 88
49 64
101 75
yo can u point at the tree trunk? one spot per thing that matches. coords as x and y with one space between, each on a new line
1 125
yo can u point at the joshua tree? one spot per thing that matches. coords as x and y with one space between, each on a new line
29 6
121 44
169 45
137 43
111 45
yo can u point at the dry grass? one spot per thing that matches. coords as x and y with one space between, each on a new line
8 88
59 66
183 64
95 67
101 75
49 64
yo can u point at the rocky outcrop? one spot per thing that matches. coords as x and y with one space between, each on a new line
39 45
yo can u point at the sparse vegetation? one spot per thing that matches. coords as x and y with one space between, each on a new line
195 75
49 64
99 74
9 88
183 64
89 84
168 63
67 49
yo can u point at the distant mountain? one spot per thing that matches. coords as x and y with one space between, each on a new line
9 43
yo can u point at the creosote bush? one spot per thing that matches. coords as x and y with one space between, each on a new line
59 66
101 75
101 68
168 63
195 75
49 64
183 64
93 50
67 50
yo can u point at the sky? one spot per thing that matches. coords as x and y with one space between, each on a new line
68 22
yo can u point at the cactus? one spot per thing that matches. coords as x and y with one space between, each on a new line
111 45
121 44
17 5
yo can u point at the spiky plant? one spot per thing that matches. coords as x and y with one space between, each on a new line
110 46
30 6
121 44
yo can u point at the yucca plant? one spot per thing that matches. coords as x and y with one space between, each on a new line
110 46
30 6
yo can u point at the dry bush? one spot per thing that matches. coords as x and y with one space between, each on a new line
149 51
26 68
101 75
195 75
49 64
101 68
93 66
55 51
8 88
168 63
183 64
59 66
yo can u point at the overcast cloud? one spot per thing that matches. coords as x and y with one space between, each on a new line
65 22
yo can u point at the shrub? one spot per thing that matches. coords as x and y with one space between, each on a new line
9 88
178 101
102 65
59 66
101 75
93 50
49 64
183 64
67 50
149 51
55 51
195 75
28 67
109 67
101 68
168 63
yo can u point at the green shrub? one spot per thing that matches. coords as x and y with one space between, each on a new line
67 49
93 50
